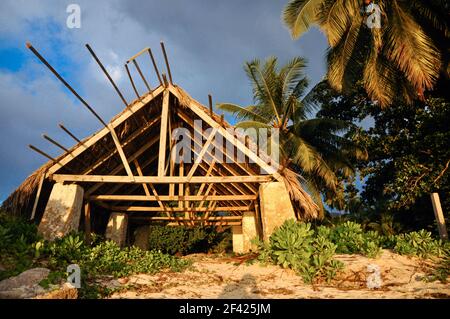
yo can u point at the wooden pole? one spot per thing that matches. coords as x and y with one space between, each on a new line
67 85
439 216
38 194
69 133
142 75
107 74
154 66
210 105
87 221
167 62
132 82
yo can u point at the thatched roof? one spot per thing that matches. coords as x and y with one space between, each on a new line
134 131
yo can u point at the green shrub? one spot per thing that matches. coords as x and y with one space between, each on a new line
294 245
420 244
185 240
108 258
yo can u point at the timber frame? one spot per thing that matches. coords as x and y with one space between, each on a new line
128 165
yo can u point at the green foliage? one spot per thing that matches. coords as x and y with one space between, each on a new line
294 245
185 240
21 249
420 244
408 152
108 258
350 238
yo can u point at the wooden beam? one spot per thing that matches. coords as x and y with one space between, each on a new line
163 134
116 170
121 152
177 209
202 153
440 220
38 194
61 178
227 166
197 108
168 198
87 143
87 221
130 139
217 218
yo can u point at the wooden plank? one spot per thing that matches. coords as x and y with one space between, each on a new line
61 178
87 143
227 166
130 139
440 220
216 218
87 221
202 153
116 170
163 134
38 194
168 198
181 186
121 152
177 209
197 108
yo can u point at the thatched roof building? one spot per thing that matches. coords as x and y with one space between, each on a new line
128 166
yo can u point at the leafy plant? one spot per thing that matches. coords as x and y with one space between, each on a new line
419 244
185 240
295 245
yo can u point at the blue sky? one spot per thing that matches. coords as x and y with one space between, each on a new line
207 43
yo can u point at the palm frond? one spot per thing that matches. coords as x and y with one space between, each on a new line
241 112
299 15
412 50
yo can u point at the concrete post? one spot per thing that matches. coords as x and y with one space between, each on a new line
63 211
238 239
276 206
117 228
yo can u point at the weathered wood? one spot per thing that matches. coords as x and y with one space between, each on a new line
159 180
192 219
38 194
105 131
202 153
163 134
440 220
142 75
177 209
197 108
130 139
87 221
168 198
120 151
167 62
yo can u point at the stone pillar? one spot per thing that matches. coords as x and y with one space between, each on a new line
243 235
276 206
63 210
238 239
117 228
141 237
249 231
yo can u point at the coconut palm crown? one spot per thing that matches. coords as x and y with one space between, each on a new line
401 59
310 147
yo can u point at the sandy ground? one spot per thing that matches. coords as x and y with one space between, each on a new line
221 277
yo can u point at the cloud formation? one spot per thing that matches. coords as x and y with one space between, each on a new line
207 44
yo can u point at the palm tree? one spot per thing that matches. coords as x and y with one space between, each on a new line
402 59
309 147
